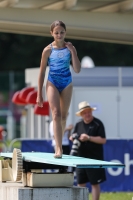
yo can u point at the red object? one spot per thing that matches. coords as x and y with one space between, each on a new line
1 130
31 97
24 92
16 99
44 111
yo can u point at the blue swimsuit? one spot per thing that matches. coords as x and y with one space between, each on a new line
59 64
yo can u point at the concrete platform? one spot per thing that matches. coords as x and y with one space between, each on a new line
16 191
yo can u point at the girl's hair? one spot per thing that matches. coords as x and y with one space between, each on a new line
57 23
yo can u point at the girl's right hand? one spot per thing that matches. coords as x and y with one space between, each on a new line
39 101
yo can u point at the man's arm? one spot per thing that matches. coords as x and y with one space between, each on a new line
69 128
99 140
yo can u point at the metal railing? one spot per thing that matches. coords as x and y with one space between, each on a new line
4 144
10 148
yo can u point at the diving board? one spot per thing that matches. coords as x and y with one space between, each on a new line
66 160
27 168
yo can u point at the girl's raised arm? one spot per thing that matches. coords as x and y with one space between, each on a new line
75 60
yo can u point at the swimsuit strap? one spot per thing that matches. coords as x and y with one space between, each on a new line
52 48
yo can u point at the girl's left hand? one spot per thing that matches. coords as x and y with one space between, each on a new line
69 46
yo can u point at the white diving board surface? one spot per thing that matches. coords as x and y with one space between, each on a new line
66 160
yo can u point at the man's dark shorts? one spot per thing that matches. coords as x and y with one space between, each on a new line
92 175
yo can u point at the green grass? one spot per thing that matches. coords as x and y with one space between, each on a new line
115 196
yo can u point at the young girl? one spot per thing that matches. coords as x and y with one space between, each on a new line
58 55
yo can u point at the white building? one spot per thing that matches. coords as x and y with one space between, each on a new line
110 89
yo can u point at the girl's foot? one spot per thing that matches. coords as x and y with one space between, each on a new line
58 154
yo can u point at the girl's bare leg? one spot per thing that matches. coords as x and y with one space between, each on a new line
54 102
59 104
65 100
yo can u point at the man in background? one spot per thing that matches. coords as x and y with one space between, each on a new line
88 139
